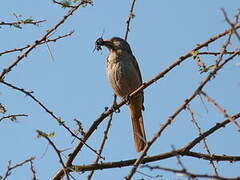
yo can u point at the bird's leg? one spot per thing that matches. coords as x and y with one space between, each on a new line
127 99
114 106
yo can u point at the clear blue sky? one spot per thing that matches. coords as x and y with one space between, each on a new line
74 84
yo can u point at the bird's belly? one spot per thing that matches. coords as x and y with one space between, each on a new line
123 78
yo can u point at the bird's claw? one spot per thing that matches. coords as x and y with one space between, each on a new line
115 108
127 99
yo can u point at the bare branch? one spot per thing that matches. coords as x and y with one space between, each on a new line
130 17
188 174
42 134
204 140
220 109
42 39
230 23
58 119
13 117
105 114
104 138
184 151
11 168
21 22
171 118
27 46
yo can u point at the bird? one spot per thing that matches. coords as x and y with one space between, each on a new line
124 76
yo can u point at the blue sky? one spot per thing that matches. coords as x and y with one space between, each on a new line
74 84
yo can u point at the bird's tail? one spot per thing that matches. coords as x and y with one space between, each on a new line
137 124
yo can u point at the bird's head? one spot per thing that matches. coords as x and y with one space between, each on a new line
113 44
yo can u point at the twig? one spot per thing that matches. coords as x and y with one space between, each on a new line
215 53
188 174
10 168
21 22
105 114
12 117
41 134
230 23
171 118
27 46
58 119
34 177
204 140
184 151
219 108
130 17
63 5
104 138
42 39
179 161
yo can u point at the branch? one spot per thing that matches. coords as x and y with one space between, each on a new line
171 118
188 174
184 151
104 138
204 140
12 117
64 5
18 23
44 135
105 114
58 119
130 17
230 23
27 46
10 168
42 39
220 109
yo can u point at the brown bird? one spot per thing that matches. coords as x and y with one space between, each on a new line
124 76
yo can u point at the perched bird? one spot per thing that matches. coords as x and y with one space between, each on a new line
124 76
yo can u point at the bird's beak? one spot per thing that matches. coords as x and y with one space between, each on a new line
107 43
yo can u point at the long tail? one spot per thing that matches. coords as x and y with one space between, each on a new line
135 108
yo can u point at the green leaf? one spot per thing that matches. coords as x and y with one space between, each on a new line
195 53
43 134
52 134
65 3
29 20
202 70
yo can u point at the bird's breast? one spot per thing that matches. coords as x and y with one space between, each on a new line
122 76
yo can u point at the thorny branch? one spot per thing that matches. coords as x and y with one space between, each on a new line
11 168
58 119
232 24
189 174
42 134
204 140
42 39
142 159
184 151
130 17
171 118
104 139
160 75
27 46
13 117
219 108
27 21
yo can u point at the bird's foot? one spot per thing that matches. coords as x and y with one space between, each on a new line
127 99
115 108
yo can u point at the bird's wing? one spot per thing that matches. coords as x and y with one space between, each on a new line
135 64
